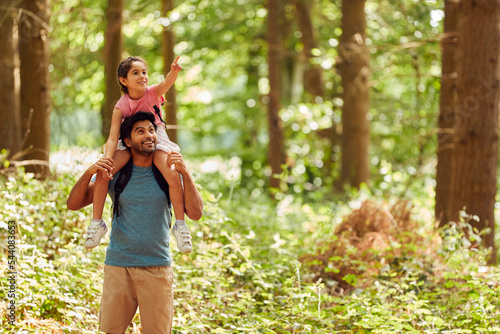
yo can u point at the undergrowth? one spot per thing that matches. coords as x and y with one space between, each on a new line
260 267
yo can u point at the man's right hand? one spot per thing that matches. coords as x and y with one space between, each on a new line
176 162
193 203
104 165
82 193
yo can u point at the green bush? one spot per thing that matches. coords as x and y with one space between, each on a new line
244 275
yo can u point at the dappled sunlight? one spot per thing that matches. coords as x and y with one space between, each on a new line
196 94
229 169
74 160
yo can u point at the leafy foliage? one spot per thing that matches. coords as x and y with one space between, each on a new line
221 92
244 275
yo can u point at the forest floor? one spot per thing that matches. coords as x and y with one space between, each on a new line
363 265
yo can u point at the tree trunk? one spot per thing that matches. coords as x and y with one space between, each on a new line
289 71
10 117
276 153
35 92
168 39
355 71
112 58
313 77
251 120
476 126
447 108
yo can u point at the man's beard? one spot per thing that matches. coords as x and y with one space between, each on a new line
142 150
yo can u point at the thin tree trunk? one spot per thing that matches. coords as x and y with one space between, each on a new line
313 77
476 126
35 92
288 58
112 58
276 153
313 73
168 39
287 74
447 107
10 115
355 71
251 120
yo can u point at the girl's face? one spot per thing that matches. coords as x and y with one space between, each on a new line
137 77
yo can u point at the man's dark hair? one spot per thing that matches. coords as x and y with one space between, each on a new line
128 123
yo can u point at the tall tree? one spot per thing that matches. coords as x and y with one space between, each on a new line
476 127
112 57
10 119
313 76
251 120
168 42
355 71
276 151
448 103
34 74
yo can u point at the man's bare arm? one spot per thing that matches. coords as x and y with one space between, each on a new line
82 193
193 204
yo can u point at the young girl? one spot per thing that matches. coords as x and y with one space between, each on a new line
138 96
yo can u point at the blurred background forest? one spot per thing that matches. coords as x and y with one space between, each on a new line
336 144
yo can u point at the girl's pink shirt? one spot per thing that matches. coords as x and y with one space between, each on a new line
128 107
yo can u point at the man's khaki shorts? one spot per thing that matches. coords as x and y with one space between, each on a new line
125 289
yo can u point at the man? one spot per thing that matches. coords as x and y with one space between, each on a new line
137 270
